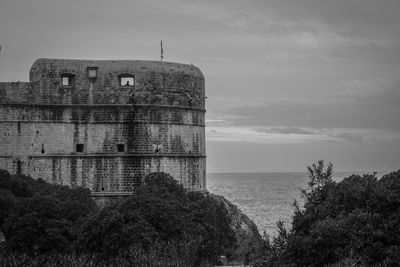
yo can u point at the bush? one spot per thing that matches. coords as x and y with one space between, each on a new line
159 211
356 219
38 217
160 224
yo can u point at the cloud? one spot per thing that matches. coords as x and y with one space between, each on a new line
350 137
243 134
294 135
284 130
376 91
369 112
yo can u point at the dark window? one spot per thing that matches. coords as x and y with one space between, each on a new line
126 81
42 151
19 167
120 147
79 148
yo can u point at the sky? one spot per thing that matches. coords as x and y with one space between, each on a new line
288 82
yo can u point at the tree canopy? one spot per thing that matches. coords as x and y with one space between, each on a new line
355 220
160 220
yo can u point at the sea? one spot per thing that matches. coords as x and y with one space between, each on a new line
265 198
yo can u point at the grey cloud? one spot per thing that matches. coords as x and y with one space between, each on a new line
321 113
350 137
368 104
376 92
284 130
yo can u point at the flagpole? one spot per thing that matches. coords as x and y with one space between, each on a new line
162 52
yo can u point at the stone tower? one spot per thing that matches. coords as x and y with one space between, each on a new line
105 124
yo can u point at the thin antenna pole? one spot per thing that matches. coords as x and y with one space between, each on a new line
162 52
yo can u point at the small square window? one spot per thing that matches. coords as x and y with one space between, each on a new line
80 148
92 72
66 81
120 147
126 81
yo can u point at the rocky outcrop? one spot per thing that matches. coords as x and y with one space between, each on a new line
247 235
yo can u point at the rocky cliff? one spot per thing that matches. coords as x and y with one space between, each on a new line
247 235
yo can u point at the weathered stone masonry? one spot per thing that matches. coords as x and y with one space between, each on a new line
76 123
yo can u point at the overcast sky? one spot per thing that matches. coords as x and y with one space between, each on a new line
288 81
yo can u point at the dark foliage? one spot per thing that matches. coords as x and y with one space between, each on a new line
159 211
38 217
355 219
160 223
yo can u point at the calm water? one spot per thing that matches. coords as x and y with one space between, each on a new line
264 197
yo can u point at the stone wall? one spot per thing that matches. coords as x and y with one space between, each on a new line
102 135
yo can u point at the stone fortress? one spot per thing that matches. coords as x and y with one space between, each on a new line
105 124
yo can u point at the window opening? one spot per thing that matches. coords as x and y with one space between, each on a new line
79 148
126 81
120 147
19 167
92 72
65 81
42 151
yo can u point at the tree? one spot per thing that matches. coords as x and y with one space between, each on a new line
38 217
159 211
355 220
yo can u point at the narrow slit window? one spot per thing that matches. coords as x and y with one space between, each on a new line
126 81
19 167
19 128
120 147
80 148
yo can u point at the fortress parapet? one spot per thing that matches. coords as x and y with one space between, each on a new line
105 124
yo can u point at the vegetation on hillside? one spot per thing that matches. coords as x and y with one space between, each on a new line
354 222
351 223
161 224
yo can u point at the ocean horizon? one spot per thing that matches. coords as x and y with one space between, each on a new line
266 197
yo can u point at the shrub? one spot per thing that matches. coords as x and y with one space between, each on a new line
158 211
355 219
160 223
38 217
